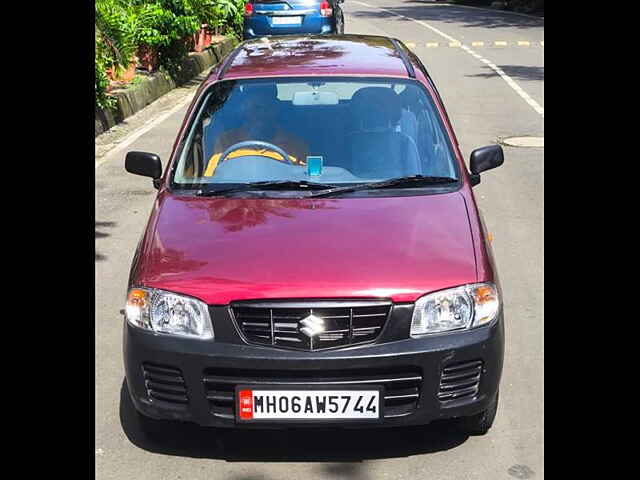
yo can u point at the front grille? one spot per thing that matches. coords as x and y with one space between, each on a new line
460 380
311 326
401 386
164 383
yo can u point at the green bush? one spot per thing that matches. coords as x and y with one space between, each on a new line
102 62
161 22
115 47
229 16
205 10
122 26
116 32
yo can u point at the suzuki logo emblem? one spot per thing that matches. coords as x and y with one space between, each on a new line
312 326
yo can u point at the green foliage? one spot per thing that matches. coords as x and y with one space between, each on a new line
229 16
161 22
153 22
114 46
163 25
171 57
115 32
103 99
204 10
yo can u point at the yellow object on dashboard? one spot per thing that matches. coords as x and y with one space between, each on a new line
243 152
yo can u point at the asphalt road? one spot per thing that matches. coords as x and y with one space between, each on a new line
484 106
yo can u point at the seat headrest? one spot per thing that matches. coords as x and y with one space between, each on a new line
268 91
375 108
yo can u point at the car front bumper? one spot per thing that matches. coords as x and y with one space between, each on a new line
195 368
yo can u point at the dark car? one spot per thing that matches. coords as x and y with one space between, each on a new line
315 254
292 17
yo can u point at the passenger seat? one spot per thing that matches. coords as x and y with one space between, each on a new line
376 149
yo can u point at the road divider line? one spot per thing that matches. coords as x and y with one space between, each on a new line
524 95
133 136
500 44
477 44
432 44
523 43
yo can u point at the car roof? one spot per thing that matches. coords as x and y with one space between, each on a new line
327 55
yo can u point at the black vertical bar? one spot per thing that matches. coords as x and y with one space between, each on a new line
405 59
273 335
311 338
230 58
351 325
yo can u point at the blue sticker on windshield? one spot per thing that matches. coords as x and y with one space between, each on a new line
314 165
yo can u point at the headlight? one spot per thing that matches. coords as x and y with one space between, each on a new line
455 309
170 313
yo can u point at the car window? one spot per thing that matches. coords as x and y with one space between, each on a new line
338 131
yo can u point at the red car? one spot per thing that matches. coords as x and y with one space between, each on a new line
315 255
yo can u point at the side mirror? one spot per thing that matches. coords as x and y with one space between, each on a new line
145 164
485 158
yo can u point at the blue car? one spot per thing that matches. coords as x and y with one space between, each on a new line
279 17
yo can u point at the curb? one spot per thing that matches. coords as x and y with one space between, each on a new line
134 99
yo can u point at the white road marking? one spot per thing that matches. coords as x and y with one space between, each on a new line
523 141
133 136
525 96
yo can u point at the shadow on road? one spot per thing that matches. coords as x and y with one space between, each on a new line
101 234
518 72
317 445
461 16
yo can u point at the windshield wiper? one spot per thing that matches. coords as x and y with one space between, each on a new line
268 185
400 182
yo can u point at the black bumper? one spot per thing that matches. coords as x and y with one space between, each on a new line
204 373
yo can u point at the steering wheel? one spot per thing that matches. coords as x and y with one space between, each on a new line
254 143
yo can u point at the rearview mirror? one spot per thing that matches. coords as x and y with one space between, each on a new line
485 158
145 164
314 98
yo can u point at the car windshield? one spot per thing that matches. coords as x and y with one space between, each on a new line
325 130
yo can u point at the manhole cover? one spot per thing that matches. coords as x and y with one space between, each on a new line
523 141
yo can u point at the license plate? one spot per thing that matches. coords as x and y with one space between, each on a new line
286 20
280 404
